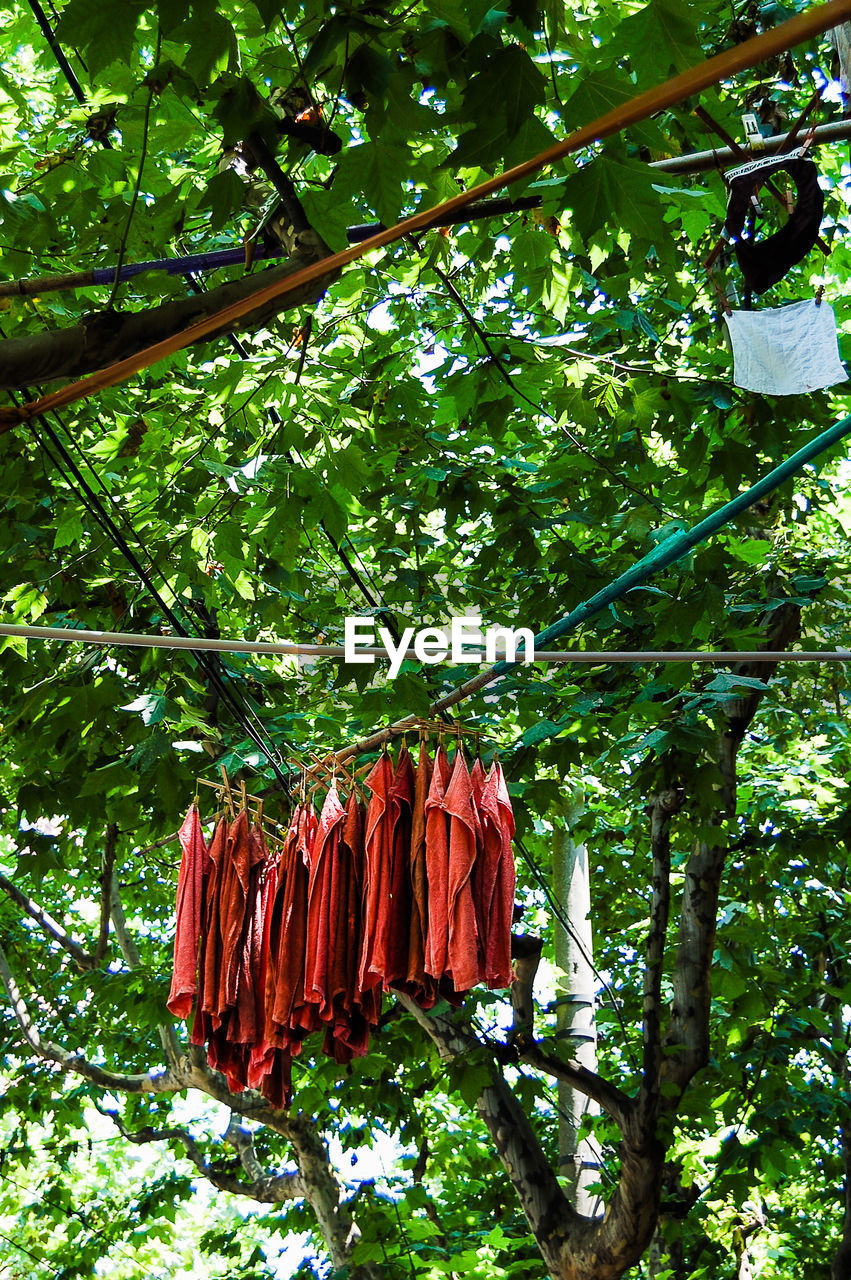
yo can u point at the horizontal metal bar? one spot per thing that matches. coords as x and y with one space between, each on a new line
701 161
588 657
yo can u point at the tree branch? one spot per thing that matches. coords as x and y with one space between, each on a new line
265 1188
526 956
130 952
613 1100
106 891
48 925
518 1148
146 1082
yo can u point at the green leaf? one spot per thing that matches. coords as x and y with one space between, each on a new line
522 86
105 33
224 195
381 171
661 38
618 193
70 529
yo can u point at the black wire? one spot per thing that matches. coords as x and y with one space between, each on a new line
210 663
207 663
64 65
115 535
561 915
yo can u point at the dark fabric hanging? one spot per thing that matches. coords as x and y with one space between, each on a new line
765 262
349 1012
321 908
378 846
287 959
399 914
209 944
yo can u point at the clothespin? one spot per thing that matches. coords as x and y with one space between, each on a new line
819 295
753 136
244 793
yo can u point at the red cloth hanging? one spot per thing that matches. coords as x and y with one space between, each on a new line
378 845
262 1052
194 870
462 958
285 993
399 923
247 1025
437 869
321 909
350 1012
233 899
498 959
225 893
494 875
421 986
210 948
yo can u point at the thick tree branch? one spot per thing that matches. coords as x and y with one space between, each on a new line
318 1183
109 337
518 1148
322 1190
686 1043
572 1246
242 1142
662 809
525 956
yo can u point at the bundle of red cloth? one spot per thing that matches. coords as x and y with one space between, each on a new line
413 892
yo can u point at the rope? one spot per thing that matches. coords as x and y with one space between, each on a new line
741 57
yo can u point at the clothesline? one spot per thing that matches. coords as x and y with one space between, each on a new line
557 657
739 58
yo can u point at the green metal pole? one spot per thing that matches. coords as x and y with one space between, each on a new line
667 552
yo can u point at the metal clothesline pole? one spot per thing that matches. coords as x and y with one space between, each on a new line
587 657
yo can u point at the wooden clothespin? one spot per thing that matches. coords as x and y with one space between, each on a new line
228 792
819 295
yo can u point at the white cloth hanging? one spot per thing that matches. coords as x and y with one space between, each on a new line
786 351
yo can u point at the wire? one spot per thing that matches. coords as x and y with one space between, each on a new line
114 534
561 916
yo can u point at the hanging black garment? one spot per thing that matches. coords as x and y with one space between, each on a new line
764 262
